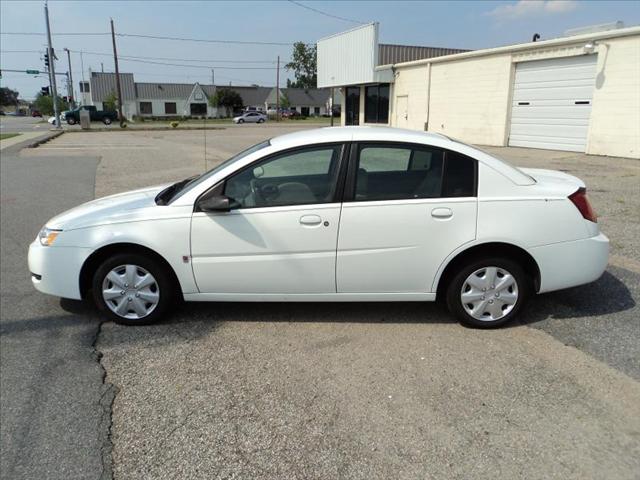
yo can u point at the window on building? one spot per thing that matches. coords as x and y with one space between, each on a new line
146 108
376 105
395 172
84 87
316 110
170 108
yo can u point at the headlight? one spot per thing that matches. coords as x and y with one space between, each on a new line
47 236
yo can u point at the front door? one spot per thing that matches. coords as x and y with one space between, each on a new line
281 238
410 207
402 111
352 111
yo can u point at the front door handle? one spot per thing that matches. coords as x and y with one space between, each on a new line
310 220
441 213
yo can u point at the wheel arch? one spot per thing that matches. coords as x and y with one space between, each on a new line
489 249
94 260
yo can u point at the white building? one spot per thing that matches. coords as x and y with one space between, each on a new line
578 93
152 100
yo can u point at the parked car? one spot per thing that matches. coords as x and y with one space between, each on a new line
52 120
336 214
291 114
36 113
107 117
250 117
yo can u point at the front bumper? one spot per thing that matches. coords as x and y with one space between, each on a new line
56 270
569 264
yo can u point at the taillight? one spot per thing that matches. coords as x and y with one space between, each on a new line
581 201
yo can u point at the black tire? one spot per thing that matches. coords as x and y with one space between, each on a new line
261 121
71 121
455 304
106 121
241 121
166 287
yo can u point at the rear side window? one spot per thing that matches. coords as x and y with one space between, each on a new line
394 172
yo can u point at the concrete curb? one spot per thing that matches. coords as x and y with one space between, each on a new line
39 141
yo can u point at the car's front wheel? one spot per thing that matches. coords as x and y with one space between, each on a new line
241 121
488 293
71 121
106 121
132 289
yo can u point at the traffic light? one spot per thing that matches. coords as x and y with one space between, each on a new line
44 91
46 60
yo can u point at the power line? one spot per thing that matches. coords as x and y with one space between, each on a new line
327 14
194 66
203 40
57 34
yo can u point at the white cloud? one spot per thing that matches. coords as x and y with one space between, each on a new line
527 8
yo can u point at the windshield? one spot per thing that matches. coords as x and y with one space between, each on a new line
194 182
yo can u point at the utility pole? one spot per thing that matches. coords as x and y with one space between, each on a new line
278 90
213 77
52 68
115 59
72 98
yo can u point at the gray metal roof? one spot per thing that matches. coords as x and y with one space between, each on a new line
103 84
312 97
251 96
391 54
164 91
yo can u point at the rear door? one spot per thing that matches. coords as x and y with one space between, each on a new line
407 207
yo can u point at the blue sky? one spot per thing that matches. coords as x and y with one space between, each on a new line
458 24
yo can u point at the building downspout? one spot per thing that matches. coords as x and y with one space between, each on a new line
426 123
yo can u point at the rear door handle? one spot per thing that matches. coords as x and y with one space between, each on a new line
310 220
442 213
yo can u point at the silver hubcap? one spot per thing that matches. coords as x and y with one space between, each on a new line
130 292
489 293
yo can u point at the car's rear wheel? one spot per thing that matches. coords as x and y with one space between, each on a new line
261 120
489 292
132 289
106 121
71 121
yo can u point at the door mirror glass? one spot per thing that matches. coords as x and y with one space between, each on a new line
217 203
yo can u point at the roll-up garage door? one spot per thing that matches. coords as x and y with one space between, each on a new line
552 103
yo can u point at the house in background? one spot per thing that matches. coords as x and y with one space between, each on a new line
147 99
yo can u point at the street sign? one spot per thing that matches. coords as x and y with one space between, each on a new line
33 72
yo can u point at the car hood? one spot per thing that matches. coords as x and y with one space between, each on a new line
114 208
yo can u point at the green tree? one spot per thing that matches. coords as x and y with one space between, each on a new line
226 98
8 96
44 104
304 65
284 101
110 103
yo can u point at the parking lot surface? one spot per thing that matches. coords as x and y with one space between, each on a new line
364 390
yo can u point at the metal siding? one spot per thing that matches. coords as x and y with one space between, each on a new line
103 84
552 120
348 58
392 54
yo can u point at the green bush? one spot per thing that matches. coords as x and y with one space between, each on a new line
174 124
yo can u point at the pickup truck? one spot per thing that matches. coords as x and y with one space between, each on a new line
73 116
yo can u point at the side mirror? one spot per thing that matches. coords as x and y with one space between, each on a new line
217 203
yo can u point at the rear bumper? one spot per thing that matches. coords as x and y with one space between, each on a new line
56 270
568 264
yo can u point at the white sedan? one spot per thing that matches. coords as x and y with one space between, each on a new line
335 214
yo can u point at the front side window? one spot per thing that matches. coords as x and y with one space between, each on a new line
376 105
294 178
170 108
387 172
145 108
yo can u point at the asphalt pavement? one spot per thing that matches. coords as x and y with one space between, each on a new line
11 124
54 406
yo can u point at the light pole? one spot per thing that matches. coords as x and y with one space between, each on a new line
72 98
52 68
